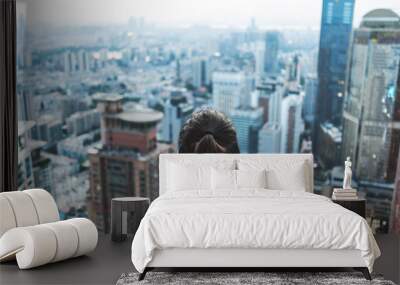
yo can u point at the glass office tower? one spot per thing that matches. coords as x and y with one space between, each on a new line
371 114
336 26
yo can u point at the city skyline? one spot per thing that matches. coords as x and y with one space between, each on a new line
164 13
266 82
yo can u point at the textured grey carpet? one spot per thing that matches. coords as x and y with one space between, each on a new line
228 278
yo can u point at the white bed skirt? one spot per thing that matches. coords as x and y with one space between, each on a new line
192 257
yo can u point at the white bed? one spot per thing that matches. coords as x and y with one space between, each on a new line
250 227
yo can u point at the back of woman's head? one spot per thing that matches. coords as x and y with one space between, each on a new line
208 131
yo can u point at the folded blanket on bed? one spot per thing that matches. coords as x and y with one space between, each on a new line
253 218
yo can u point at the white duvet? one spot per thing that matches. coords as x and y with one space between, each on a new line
253 218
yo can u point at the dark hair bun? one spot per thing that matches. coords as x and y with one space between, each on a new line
208 131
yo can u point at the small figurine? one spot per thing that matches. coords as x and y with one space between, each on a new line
347 174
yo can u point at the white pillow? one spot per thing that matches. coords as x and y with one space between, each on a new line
184 178
290 179
223 179
251 178
282 174
227 179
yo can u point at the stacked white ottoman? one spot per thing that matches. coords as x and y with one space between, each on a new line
31 230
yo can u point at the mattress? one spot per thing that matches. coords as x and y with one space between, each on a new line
251 219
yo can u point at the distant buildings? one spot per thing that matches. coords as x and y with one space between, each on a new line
371 132
294 70
311 92
48 129
247 122
201 72
126 163
231 89
271 52
270 94
34 170
291 123
269 138
76 61
25 177
336 27
83 122
77 147
259 56
176 112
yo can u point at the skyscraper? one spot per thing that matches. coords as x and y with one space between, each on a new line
271 52
201 73
259 54
230 90
126 163
176 112
311 91
291 123
247 122
269 138
270 94
371 132
336 27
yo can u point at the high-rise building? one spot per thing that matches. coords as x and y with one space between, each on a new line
178 70
34 170
270 94
83 61
230 90
259 54
83 122
176 112
70 62
48 128
336 27
294 70
201 73
371 132
25 101
331 140
269 138
271 53
126 163
311 92
291 123
25 179
247 122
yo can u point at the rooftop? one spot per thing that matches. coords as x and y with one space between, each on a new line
140 116
381 18
105 97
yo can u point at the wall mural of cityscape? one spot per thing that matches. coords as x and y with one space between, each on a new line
98 104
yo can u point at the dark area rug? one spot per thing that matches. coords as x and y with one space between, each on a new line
227 278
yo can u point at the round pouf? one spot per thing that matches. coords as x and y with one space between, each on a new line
126 214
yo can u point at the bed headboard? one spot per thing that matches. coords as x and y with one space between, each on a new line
212 158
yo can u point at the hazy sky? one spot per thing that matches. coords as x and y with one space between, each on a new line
237 13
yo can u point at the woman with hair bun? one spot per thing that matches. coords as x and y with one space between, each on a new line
208 131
